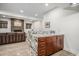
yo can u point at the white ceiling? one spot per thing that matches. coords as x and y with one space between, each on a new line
30 9
74 7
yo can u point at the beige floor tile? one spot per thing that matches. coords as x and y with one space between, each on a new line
23 49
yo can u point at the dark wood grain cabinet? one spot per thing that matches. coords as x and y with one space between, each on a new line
42 46
50 45
6 38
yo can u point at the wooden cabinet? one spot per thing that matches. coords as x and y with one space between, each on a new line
42 46
60 42
2 38
50 45
6 38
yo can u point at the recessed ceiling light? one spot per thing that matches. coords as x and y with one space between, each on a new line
74 3
46 4
36 14
3 16
21 11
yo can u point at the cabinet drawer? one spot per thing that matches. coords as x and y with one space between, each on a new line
41 40
41 52
41 43
41 48
60 36
49 52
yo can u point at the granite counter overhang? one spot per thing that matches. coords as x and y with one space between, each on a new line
45 35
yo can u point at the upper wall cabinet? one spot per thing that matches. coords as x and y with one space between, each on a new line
3 24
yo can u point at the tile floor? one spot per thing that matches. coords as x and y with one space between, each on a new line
23 49
15 49
63 53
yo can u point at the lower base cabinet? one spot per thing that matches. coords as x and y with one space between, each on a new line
50 45
6 38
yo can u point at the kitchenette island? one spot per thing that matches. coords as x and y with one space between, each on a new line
46 44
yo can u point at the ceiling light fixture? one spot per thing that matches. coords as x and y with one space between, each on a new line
74 3
21 11
46 4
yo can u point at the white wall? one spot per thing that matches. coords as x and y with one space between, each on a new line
3 30
70 27
66 22
55 15
37 25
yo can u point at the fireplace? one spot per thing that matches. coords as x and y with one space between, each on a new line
17 30
17 25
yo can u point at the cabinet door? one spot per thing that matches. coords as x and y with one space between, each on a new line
61 38
59 43
49 42
51 45
54 42
42 46
0 39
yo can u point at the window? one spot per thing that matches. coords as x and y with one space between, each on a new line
3 24
28 25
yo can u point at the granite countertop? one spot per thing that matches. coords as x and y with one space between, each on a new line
45 35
